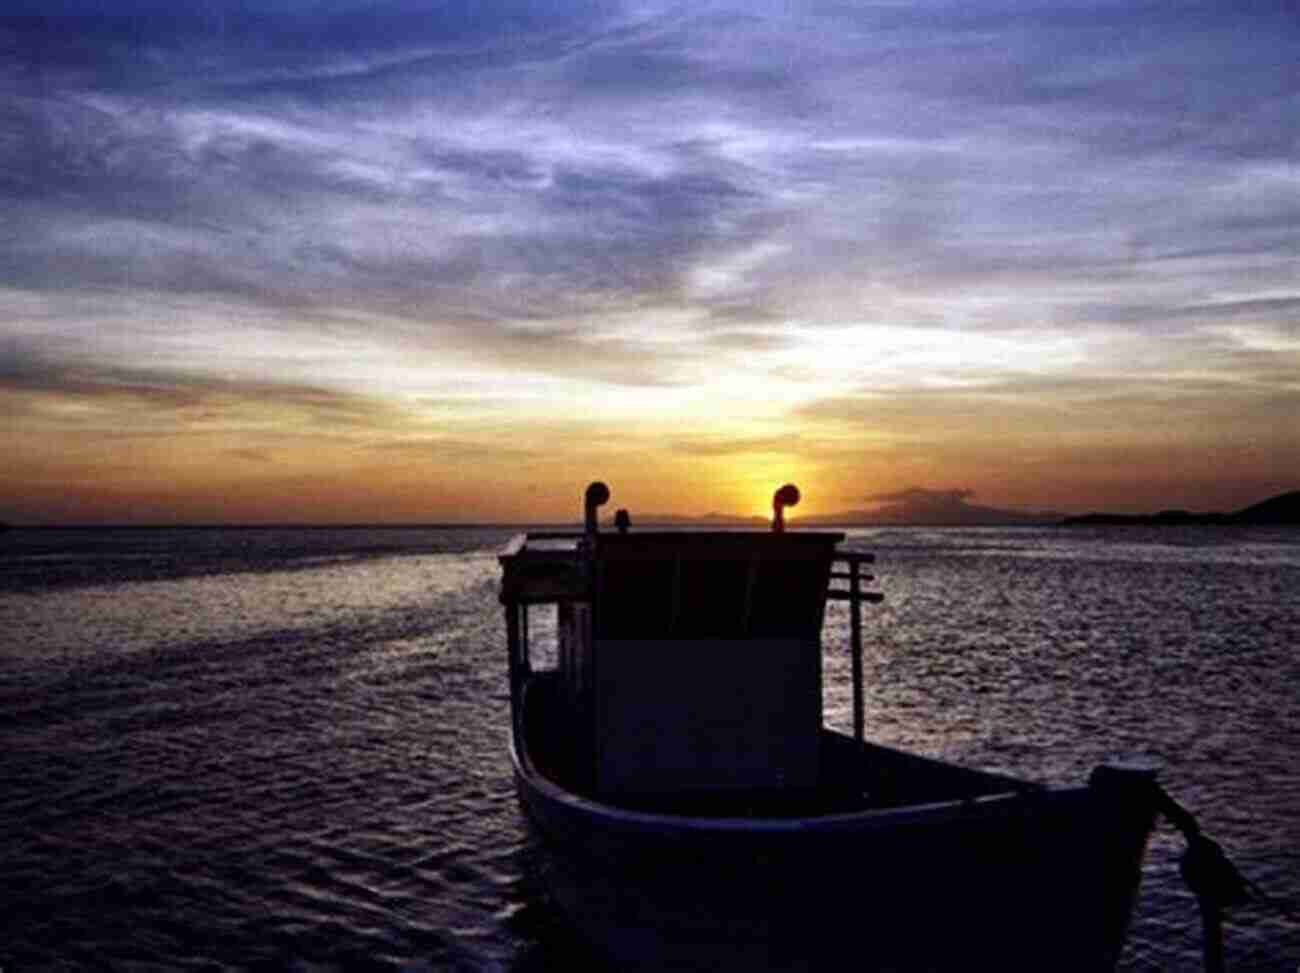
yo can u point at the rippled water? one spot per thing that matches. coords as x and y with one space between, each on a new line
286 749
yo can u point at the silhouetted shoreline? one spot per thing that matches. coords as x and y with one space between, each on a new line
1280 511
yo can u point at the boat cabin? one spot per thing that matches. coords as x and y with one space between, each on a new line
688 661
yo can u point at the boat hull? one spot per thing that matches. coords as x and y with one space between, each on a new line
1022 881
692 813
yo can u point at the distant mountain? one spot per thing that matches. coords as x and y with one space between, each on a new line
922 507
965 515
1282 510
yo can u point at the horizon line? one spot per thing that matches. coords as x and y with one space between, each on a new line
574 526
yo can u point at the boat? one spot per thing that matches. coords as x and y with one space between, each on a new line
692 811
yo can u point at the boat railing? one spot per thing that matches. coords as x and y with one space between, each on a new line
855 596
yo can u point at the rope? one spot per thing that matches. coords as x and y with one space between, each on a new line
1204 866
1214 880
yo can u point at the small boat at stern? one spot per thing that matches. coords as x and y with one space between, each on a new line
693 812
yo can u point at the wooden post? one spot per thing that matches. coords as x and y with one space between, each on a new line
855 639
513 651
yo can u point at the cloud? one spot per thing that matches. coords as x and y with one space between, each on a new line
122 401
446 449
340 153
749 341
738 446
258 456
591 354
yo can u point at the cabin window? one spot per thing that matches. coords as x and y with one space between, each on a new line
543 640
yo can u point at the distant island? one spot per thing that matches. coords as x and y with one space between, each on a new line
1282 510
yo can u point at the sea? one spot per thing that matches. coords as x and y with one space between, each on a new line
286 748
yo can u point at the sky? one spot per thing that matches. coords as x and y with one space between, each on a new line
344 261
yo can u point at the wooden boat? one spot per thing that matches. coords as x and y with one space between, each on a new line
694 813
